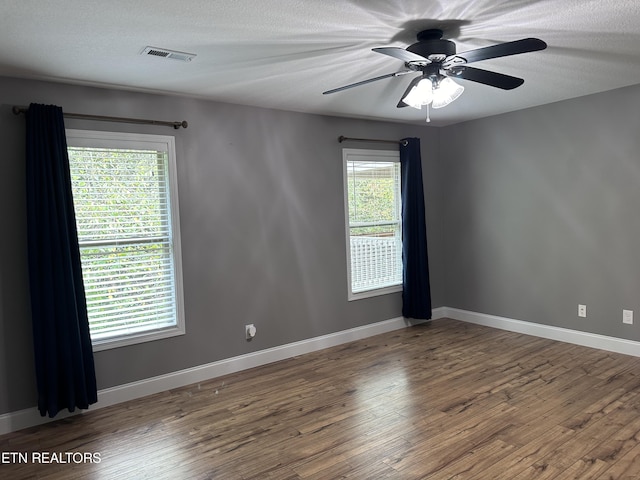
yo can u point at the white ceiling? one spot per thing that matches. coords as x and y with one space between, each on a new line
284 53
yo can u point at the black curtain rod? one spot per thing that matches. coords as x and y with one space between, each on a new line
18 110
342 138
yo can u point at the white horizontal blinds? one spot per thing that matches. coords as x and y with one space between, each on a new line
374 203
121 199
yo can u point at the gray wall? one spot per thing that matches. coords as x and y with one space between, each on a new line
262 225
529 214
541 212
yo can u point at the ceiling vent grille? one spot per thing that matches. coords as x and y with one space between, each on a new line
164 53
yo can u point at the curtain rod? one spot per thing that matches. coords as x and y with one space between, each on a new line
342 138
18 110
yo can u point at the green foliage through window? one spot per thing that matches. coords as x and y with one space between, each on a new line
122 201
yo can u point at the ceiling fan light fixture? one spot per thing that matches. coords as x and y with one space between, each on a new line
446 92
421 94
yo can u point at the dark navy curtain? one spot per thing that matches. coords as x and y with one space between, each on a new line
65 371
416 292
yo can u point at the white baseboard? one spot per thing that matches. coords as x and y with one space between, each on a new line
30 417
602 342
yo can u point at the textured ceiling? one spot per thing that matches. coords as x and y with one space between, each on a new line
284 53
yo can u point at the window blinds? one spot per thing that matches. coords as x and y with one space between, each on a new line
121 199
375 238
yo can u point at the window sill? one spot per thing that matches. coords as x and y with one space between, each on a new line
107 344
374 292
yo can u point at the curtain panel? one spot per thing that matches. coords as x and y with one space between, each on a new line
65 372
416 290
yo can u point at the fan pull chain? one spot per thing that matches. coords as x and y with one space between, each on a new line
428 117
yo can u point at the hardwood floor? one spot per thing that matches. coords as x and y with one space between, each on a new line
448 400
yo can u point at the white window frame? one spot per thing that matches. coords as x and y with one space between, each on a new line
117 140
356 154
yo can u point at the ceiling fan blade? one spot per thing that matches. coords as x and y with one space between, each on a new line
413 83
501 50
401 54
493 79
364 82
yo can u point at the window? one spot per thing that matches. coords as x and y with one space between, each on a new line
373 212
126 204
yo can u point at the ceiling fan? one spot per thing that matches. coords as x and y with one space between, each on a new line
436 59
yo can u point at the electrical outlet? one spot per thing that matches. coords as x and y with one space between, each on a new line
627 317
582 311
249 331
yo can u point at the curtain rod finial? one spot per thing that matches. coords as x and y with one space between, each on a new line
17 110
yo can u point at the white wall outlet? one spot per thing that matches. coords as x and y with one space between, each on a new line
627 317
582 310
249 331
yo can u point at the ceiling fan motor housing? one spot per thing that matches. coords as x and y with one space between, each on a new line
431 45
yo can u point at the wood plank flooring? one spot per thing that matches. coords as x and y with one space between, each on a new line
447 400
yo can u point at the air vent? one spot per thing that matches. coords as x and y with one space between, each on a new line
164 53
